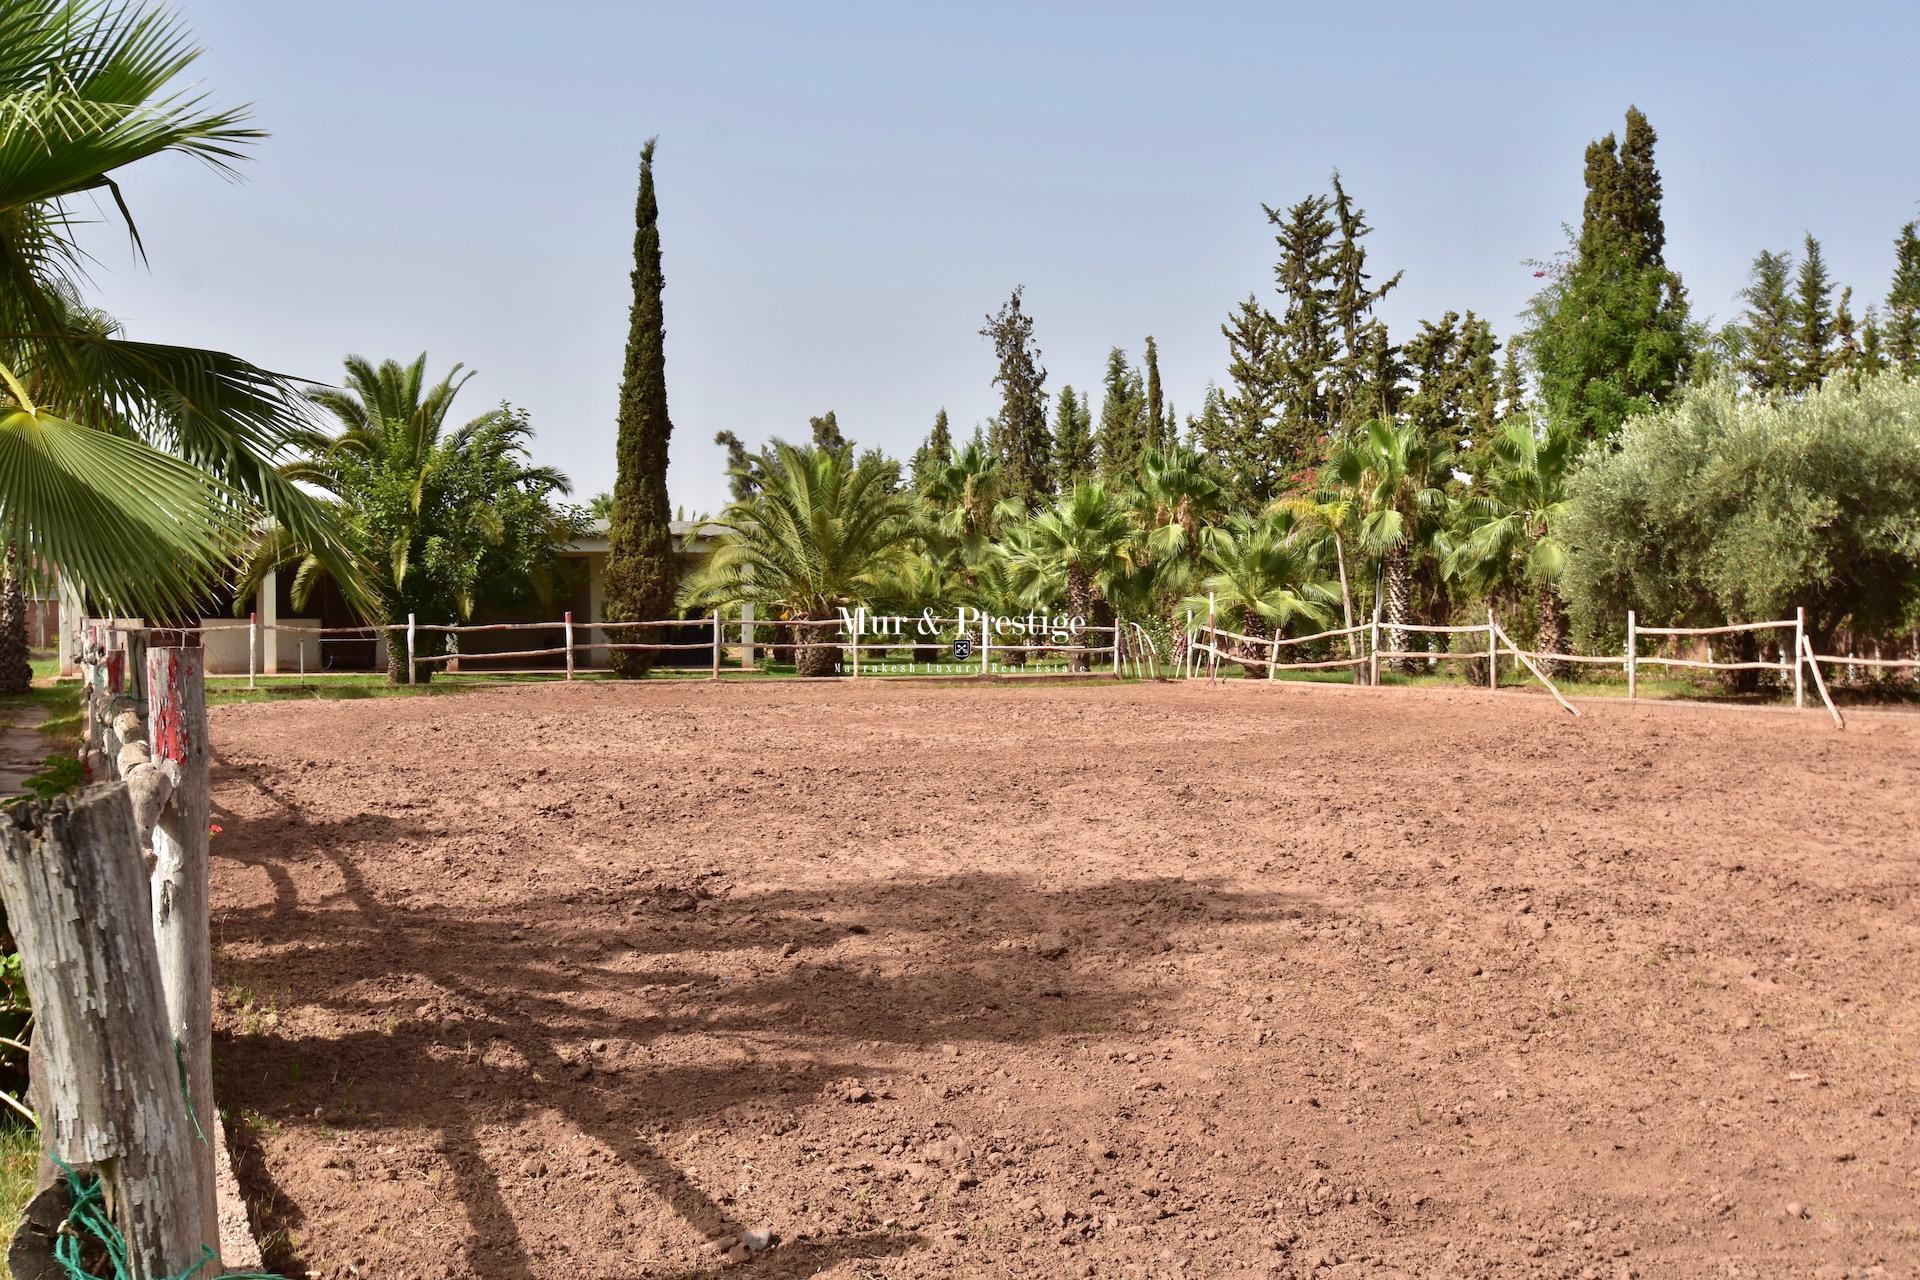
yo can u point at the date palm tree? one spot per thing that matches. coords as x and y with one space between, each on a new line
1394 474
1510 531
1262 576
969 502
439 515
132 469
825 532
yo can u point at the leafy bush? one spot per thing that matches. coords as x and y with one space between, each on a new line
1726 506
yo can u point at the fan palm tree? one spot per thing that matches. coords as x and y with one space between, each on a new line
824 533
1329 513
1394 474
133 469
1262 576
1072 548
439 515
1173 498
1510 530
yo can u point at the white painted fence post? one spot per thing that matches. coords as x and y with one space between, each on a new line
716 644
1273 656
1633 655
177 734
985 639
253 646
568 624
1186 659
859 629
1493 653
1213 642
413 675
1799 657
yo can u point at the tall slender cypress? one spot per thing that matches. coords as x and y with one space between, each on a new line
639 576
1156 406
1813 319
1902 326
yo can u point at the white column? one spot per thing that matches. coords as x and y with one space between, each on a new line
267 605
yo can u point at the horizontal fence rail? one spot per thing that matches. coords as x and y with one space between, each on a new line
1113 647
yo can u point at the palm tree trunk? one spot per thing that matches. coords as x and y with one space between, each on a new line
818 654
1399 580
1080 605
16 664
1256 626
1346 595
1550 630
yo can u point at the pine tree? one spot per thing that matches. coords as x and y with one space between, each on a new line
1020 438
743 480
1812 335
1610 334
1902 326
825 431
1846 357
1513 382
1072 440
639 572
1766 361
1247 450
1873 349
1364 344
1212 431
1307 350
1480 381
933 454
1123 411
1156 407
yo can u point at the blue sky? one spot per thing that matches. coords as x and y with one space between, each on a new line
846 190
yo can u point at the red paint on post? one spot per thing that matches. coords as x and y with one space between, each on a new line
166 729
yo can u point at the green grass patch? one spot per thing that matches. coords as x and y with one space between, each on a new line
19 1162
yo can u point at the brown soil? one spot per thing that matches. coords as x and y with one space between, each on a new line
594 980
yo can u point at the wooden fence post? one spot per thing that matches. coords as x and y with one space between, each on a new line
253 646
1373 647
569 627
859 629
986 638
1493 653
412 669
1633 655
716 644
177 734
105 1074
1799 657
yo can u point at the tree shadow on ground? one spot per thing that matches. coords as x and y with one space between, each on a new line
455 1020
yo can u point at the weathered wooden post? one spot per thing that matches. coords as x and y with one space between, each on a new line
1799 658
716 644
253 647
985 638
569 628
412 665
859 629
1493 653
105 1075
177 735
1633 655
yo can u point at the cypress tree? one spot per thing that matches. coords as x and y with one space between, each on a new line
933 454
1513 383
1812 320
639 573
1846 356
1766 360
1072 440
825 430
1610 334
1123 412
1020 436
1156 417
1902 326
1480 380
1873 351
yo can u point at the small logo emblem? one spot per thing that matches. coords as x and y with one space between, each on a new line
963 648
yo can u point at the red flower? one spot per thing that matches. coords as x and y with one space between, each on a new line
213 829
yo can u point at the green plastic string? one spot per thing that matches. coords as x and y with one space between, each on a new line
87 1220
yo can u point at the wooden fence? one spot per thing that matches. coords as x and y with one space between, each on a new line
1206 639
106 893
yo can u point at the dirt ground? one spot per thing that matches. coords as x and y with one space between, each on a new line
1255 980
